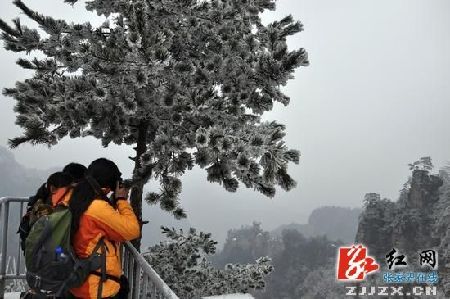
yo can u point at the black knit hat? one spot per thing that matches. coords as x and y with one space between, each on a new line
59 180
105 172
76 171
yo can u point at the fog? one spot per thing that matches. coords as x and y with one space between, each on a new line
375 98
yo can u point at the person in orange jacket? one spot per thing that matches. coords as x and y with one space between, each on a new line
95 219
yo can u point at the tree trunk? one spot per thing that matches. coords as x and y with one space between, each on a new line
136 204
138 187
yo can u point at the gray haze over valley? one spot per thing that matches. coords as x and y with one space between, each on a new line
375 98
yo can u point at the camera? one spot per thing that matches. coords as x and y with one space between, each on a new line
127 183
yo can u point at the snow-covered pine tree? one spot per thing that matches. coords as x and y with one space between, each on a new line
184 81
423 164
182 263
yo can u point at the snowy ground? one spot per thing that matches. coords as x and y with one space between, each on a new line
231 296
12 295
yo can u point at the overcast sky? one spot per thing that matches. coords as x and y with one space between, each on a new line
375 98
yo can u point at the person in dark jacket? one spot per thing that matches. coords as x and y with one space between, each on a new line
57 189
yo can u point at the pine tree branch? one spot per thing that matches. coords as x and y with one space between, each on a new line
30 13
16 22
46 65
109 60
15 142
50 25
8 30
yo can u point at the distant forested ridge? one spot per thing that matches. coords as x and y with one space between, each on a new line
418 221
303 255
17 179
336 223
297 260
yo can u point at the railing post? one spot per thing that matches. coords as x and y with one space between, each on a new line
5 214
136 281
18 255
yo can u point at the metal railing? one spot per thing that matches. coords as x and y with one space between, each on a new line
144 281
5 223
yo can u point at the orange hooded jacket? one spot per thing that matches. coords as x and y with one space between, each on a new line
115 226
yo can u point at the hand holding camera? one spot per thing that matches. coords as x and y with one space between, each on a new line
122 189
